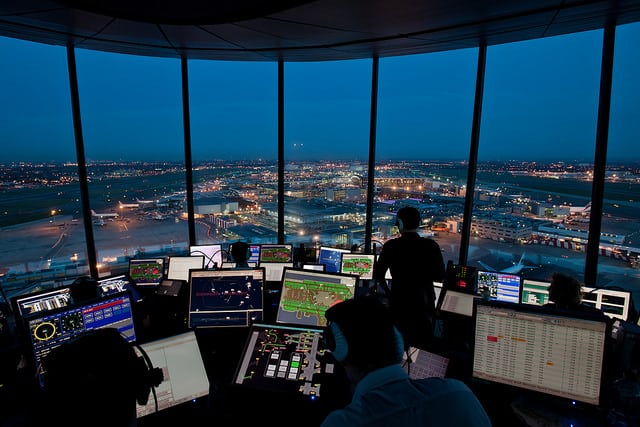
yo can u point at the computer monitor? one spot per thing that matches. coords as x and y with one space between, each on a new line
460 278
118 283
39 301
284 359
50 329
614 303
275 253
274 258
179 266
212 254
225 298
307 294
185 376
498 286
534 292
360 265
254 258
331 257
146 272
540 349
419 363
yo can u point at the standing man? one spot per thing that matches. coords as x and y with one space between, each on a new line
415 263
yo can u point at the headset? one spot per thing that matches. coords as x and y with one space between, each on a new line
338 344
362 329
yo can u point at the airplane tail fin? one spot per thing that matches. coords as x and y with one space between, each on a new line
93 212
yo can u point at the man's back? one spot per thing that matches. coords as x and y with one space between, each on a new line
387 398
415 263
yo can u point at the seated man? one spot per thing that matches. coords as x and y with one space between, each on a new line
362 337
96 379
565 293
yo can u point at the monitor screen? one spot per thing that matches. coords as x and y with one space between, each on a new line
179 266
49 329
498 286
331 257
461 278
225 298
254 259
185 376
272 253
273 270
286 359
418 364
212 254
146 272
360 265
540 350
614 303
307 294
46 300
534 292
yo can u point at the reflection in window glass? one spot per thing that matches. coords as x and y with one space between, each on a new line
234 147
327 109
535 159
131 111
42 238
425 108
619 263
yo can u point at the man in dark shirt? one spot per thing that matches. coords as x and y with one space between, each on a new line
415 263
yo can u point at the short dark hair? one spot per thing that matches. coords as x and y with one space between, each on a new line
239 251
410 217
565 290
103 362
368 328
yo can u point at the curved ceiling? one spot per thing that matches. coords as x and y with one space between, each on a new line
299 30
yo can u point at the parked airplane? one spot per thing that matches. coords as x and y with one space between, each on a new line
514 269
104 215
146 202
128 205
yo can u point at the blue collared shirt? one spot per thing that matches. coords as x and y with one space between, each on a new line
387 397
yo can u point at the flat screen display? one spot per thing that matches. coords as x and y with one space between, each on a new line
534 292
614 303
185 376
212 254
49 329
276 253
331 257
179 266
284 359
146 272
307 294
45 300
360 265
498 286
540 350
225 298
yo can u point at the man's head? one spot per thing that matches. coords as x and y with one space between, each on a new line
565 290
240 252
361 334
407 218
95 375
